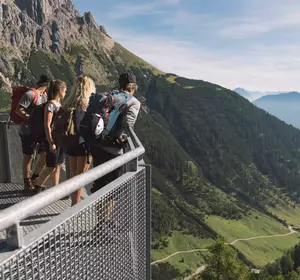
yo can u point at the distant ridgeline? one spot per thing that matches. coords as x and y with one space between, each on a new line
285 106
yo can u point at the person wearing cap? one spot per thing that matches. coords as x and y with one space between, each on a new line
130 111
30 143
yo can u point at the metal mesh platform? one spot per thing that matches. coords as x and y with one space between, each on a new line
105 238
11 194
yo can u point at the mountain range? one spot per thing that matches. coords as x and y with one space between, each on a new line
253 95
285 106
221 166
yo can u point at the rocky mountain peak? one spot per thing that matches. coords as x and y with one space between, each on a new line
46 24
90 20
41 10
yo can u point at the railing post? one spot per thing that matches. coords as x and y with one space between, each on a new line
134 241
132 165
14 236
10 154
148 220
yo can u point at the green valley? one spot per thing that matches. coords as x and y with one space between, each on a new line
263 250
179 242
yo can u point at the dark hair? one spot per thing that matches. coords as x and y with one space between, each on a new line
127 81
43 81
54 88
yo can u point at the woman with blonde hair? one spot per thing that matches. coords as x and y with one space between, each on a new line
79 157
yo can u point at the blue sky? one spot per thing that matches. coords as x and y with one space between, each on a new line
254 44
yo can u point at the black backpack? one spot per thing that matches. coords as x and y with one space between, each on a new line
64 130
37 121
103 119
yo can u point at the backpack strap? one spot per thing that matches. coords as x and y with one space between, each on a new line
36 96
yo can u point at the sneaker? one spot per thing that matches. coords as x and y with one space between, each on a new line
34 178
38 189
28 186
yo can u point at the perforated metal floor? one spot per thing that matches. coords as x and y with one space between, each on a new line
105 239
11 194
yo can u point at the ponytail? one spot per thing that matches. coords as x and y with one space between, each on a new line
55 88
50 92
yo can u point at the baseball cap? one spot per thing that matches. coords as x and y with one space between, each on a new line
44 80
127 78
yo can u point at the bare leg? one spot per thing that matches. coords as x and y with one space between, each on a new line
109 208
44 176
87 165
72 170
41 163
104 210
27 159
72 166
81 167
56 175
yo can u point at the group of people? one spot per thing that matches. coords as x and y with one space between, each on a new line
51 97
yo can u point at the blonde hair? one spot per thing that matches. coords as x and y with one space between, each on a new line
80 94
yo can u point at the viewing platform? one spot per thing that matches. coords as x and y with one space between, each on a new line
105 236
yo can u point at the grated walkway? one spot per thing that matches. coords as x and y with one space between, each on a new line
12 193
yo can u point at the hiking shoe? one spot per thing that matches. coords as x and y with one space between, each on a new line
34 178
28 186
38 189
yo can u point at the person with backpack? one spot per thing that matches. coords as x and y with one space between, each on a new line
25 100
54 155
78 152
105 122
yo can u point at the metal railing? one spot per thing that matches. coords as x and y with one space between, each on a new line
105 236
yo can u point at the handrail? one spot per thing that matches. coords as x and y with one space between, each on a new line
16 213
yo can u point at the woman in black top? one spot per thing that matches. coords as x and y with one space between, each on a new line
79 157
54 155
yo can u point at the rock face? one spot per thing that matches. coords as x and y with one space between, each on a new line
45 24
16 28
79 66
40 10
48 25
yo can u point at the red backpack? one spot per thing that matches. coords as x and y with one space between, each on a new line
17 94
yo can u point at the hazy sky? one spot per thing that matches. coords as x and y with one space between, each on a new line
254 44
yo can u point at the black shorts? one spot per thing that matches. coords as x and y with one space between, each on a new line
101 156
81 150
54 159
30 144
